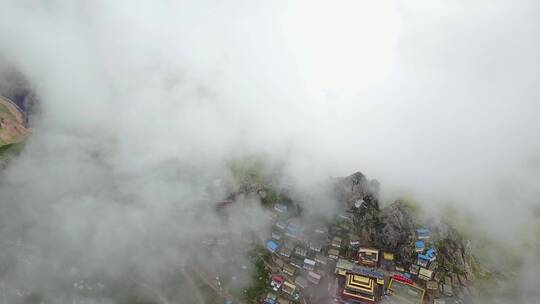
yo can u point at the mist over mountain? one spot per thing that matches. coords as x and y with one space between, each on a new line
144 106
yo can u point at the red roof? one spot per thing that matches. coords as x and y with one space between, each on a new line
401 278
278 278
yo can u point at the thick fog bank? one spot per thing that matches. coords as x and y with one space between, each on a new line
144 103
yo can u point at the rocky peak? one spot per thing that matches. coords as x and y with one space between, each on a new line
355 187
396 231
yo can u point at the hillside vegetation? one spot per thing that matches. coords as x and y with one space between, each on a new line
12 123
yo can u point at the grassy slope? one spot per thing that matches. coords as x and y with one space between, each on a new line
260 276
11 150
12 119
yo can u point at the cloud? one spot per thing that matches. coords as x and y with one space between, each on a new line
142 103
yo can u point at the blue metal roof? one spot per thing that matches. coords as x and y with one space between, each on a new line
431 253
419 244
423 257
423 230
272 245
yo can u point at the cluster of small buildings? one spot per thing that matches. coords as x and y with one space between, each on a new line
422 283
323 263
336 261
373 275
440 287
298 264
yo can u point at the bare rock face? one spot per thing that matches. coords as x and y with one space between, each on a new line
355 187
454 253
396 233
352 187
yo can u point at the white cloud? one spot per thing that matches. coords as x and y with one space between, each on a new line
143 101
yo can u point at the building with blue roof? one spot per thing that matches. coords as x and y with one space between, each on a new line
272 246
431 254
292 230
419 246
423 233
425 259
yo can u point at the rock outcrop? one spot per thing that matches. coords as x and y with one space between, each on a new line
454 253
396 232
355 187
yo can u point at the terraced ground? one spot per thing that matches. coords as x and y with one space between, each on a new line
12 123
